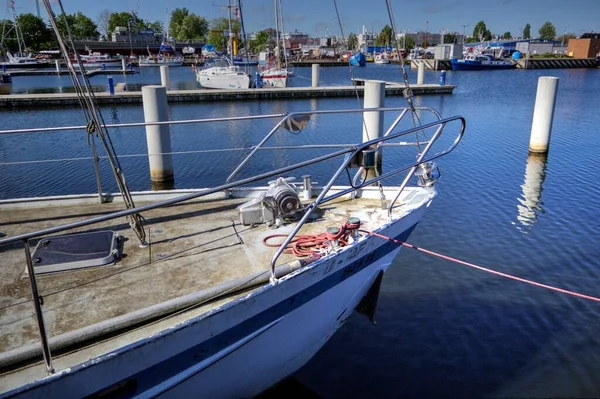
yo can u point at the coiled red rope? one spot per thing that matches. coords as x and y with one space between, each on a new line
312 244
462 262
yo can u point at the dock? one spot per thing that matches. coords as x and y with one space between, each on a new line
525 63
50 71
135 97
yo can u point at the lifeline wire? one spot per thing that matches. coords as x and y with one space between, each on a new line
462 262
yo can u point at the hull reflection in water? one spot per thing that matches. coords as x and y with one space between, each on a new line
530 204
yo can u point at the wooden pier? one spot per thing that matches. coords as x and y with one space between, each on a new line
135 97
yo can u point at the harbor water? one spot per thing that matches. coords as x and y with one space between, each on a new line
443 329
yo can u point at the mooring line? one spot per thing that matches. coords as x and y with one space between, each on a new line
462 262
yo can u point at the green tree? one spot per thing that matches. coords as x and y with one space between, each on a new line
177 17
218 29
409 43
262 41
481 32
80 25
527 32
450 38
122 19
156 26
385 37
35 32
352 41
506 35
192 27
547 31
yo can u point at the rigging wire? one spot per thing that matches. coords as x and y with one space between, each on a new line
408 93
95 121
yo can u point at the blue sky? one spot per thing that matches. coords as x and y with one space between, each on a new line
318 18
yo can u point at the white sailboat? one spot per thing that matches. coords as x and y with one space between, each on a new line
275 74
220 72
217 292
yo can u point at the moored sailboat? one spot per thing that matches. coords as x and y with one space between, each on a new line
248 277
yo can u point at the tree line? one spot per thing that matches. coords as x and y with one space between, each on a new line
183 26
480 33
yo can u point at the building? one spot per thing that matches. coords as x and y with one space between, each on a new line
535 47
122 34
587 46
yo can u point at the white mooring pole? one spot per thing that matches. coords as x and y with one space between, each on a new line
543 114
373 121
420 72
315 75
158 136
164 76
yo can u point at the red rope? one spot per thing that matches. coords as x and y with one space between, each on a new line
311 244
549 287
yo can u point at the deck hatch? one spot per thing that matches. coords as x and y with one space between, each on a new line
76 251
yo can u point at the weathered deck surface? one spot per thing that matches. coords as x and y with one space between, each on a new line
194 246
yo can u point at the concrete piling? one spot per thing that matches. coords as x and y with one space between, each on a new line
421 73
315 75
164 76
373 121
57 65
158 136
543 114
123 64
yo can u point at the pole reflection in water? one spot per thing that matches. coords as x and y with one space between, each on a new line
530 204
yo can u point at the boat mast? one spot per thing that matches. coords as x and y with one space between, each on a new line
276 3
229 41
285 60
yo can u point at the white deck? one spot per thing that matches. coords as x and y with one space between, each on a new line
194 246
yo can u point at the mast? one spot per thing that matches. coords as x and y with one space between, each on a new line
276 3
229 43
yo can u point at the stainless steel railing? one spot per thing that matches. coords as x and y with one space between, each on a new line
349 151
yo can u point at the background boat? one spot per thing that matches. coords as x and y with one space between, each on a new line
5 83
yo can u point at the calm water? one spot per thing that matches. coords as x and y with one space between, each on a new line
443 330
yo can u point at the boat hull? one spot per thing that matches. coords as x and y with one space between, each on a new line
155 62
358 59
259 338
468 65
274 78
223 81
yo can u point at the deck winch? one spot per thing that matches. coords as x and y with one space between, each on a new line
278 202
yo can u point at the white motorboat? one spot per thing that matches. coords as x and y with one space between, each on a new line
158 60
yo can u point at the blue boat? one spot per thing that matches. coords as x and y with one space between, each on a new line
245 61
480 62
358 59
